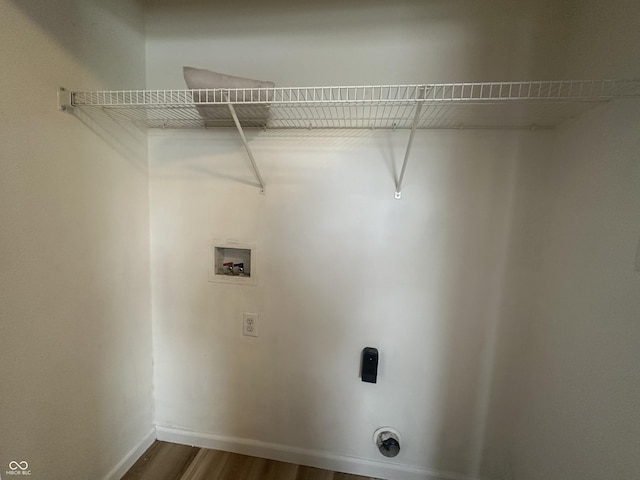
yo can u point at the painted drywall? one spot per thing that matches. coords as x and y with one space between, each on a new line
515 315
577 416
567 336
599 39
75 332
360 42
563 396
341 265
462 284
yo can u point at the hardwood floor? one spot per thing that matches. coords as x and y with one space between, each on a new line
169 461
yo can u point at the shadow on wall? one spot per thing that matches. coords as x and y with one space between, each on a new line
353 43
83 29
124 138
476 209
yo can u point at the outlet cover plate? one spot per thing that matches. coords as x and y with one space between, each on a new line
250 324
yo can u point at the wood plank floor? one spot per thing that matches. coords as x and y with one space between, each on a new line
170 461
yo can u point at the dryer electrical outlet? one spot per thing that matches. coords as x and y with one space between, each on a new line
370 365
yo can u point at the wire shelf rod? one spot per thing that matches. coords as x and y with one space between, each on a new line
539 104
588 90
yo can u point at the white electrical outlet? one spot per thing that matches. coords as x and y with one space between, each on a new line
250 324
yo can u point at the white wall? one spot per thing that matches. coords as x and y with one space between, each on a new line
599 39
75 333
520 245
500 290
564 381
360 42
342 265
515 315
577 416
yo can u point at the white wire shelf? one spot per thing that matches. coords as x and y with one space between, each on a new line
538 104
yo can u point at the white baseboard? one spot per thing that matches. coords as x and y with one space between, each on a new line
302 456
131 457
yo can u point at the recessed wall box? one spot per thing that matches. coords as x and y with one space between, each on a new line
232 262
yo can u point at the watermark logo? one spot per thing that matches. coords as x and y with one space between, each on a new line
18 468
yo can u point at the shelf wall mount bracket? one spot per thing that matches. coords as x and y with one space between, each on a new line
414 126
247 148
64 100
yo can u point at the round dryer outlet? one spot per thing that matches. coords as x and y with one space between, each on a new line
387 440
380 430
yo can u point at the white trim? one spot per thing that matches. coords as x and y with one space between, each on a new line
131 457
303 456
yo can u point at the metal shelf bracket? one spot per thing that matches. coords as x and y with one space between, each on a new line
247 148
64 100
414 125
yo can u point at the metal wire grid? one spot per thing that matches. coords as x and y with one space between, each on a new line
455 105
